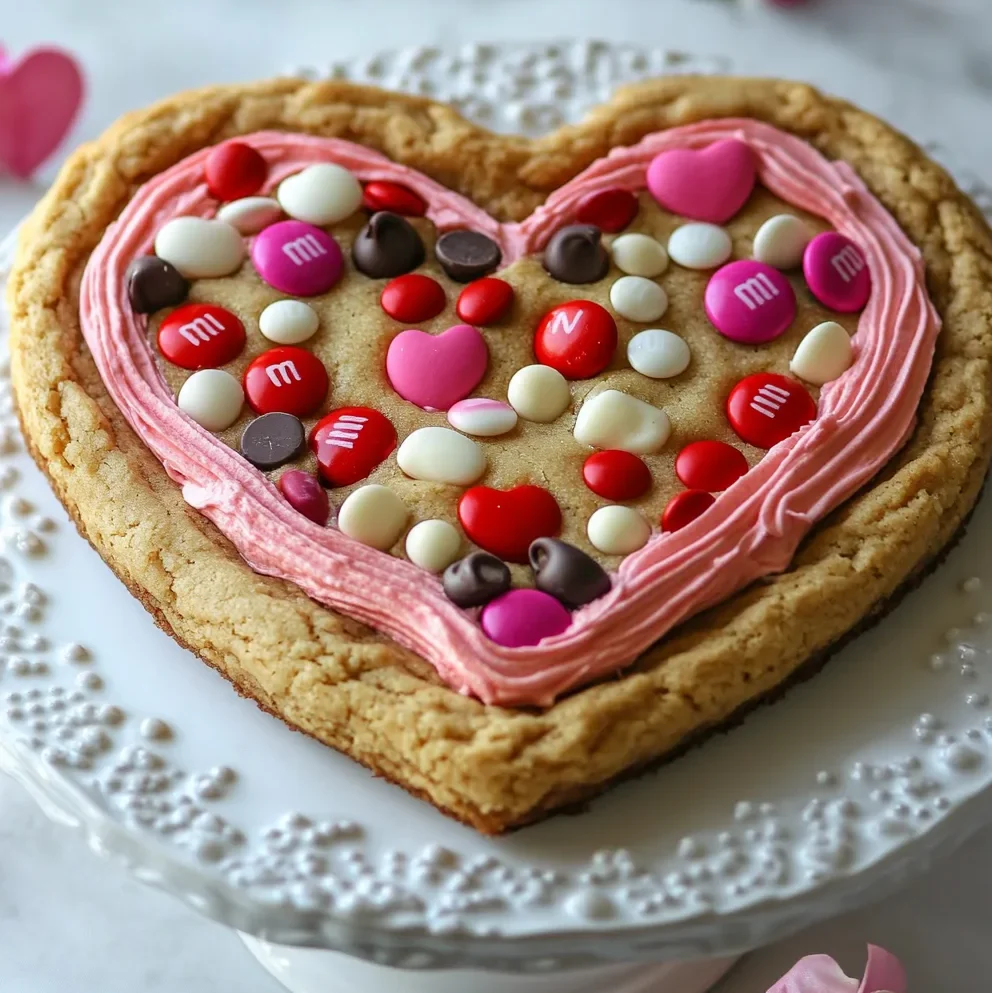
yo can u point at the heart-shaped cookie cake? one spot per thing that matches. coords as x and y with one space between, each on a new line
508 467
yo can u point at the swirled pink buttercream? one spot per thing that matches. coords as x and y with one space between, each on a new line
753 529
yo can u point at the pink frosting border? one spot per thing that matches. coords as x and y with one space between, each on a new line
753 529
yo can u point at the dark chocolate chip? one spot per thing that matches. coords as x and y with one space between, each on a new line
387 246
576 254
476 579
273 440
567 573
153 283
467 255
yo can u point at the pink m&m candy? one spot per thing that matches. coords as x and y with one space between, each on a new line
524 617
297 258
837 272
750 302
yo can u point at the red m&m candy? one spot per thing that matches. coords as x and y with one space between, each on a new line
381 194
234 170
413 298
616 475
201 336
684 508
577 338
710 465
287 379
350 442
485 301
505 522
610 210
766 408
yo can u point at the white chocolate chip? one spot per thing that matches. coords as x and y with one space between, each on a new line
617 530
781 241
638 299
441 455
699 246
288 322
482 417
321 194
250 214
824 354
200 248
539 393
612 419
373 515
639 255
658 354
212 397
433 545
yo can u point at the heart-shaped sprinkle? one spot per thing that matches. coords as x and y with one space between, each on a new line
837 273
638 299
383 195
699 246
576 254
539 393
286 379
324 193
440 455
577 338
273 440
153 283
610 210
200 248
616 475
639 255
485 301
288 322
250 214
781 241
766 408
524 617
750 302
618 530
482 417
612 419
708 184
201 336
567 573
435 371
505 522
413 298
373 515
684 508
234 170
713 466
658 354
350 442
211 397
467 255
476 579
433 545
305 494
824 354
387 246
297 258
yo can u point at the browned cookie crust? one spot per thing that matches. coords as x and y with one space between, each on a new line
358 691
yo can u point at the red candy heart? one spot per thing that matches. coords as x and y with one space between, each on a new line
684 508
616 475
413 298
350 442
234 170
485 301
383 195
505 522
766 408
287 379
713 466
201 336
577 338
610 210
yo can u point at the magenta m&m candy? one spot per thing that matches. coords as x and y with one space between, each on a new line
287 379
297 258
837 272
201 336
524 617
765 408
750 302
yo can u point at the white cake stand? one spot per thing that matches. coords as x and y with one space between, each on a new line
340 882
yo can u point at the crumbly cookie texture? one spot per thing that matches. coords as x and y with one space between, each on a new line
356 690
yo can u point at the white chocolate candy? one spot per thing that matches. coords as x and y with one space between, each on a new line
288 322
212 397
639 255
441 455
482 417
373 515
699 246
781 241
539 393
638 299
658 354
250 214
612 419
200 249
321 194
824 354
617 530
433 545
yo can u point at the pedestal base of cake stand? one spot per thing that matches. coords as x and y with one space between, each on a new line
309 970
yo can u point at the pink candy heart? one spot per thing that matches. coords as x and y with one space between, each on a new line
705 184
39 99
821 974
435 371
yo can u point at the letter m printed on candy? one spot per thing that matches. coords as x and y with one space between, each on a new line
304 249
283 373
756 291
201 328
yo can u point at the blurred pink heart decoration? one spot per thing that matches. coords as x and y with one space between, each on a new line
821 974
40 96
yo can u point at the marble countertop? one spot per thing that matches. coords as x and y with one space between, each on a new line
69 922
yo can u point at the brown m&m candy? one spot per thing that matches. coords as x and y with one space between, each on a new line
273 440
153 283
576 254
567 573
475 579
467 255
387 246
